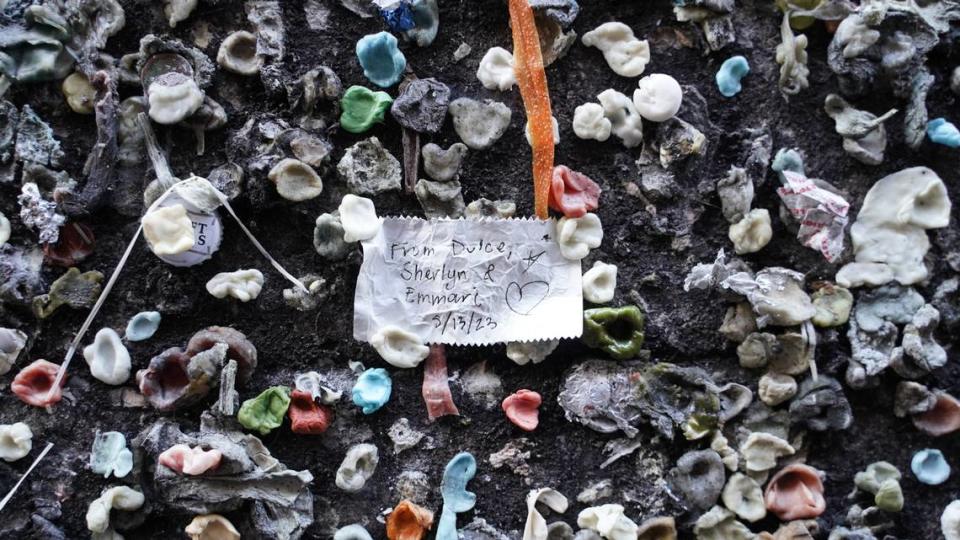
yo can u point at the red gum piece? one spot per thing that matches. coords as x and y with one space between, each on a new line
532 80
796 492
32 385
436 389
75 244
523 409
307 417
573 193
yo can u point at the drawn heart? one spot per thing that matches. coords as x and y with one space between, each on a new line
522 299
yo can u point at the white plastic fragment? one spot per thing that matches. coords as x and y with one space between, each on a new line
496 70
577 236
168 230
626 122
399 348
357 467
950 521
609 521
600 282
108 359
244 285
626 55
589 122
12 342
556 131
752 233
359 218
522 353
536 526
890 229
173 97
658 97
119 498
16 441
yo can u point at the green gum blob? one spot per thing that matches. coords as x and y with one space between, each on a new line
889 497
362 108
265 412
616 331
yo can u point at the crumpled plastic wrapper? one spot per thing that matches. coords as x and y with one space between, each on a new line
822 215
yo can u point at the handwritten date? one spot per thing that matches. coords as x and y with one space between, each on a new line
455 321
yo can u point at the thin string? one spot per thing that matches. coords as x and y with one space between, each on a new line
9 496
71 351
296 282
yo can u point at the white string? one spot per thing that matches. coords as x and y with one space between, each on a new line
9 496
296 282
71 351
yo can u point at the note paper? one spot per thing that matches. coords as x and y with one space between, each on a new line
465 282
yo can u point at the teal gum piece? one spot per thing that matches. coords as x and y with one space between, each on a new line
456 498
942 132
930 467
372 390
142 326
381 59
728 78
110 455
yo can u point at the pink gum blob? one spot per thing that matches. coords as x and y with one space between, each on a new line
193 461
32 385
796 492
573 193
523 409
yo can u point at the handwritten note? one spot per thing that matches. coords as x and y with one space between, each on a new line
468 282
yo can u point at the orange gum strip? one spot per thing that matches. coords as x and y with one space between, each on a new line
532 80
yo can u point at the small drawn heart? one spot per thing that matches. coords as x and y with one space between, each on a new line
522 299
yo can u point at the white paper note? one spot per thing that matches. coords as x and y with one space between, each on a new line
468 282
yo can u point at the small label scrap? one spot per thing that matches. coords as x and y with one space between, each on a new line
468 282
